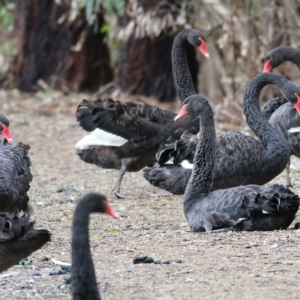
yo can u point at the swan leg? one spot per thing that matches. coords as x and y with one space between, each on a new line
287 171
117 188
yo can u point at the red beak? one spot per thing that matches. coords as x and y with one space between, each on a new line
6 133
110 211
297 105
183 112
268 66
203 48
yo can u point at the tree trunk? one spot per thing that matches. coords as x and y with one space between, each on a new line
66 54
150 27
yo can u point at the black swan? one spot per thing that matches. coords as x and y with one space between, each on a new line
249 207
83 279
126 136
18 238
241 159
281 114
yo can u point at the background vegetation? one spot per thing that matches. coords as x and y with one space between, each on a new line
239 34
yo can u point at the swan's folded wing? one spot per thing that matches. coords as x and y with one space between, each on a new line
127 119
15 176
233 152
265 208
271 106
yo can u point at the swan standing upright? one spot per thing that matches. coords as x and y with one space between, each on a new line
83 278
240 159
250 207
137 129
280 113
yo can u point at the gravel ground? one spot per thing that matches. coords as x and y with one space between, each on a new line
247 265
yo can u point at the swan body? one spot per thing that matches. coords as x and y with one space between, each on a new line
249 207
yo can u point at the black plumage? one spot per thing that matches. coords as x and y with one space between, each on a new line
143 127
241 159
18 238
83 278
281 114
15 176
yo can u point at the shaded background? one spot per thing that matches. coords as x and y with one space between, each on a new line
122 48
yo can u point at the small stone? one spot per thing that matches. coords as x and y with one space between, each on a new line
58 272
172 261
143 260
25 262
36 274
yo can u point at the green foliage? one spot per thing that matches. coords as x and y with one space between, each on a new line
6 14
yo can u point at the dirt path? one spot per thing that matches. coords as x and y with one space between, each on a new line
214 266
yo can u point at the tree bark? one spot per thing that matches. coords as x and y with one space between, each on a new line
150 27
66 54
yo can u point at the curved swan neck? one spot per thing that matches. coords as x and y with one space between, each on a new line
83 277
254 117
181 73
289 54
204 161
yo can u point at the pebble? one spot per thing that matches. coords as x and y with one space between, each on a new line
143 260
58 272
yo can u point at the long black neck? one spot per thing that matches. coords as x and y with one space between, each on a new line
289 54
269 137
204 161
181 73
84 285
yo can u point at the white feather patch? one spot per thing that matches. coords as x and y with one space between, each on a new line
187 165
294 130
100 137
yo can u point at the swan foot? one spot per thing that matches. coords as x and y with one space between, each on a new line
121 196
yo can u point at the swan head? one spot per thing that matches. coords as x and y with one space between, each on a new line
193 104
197 39
4 128
276 57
